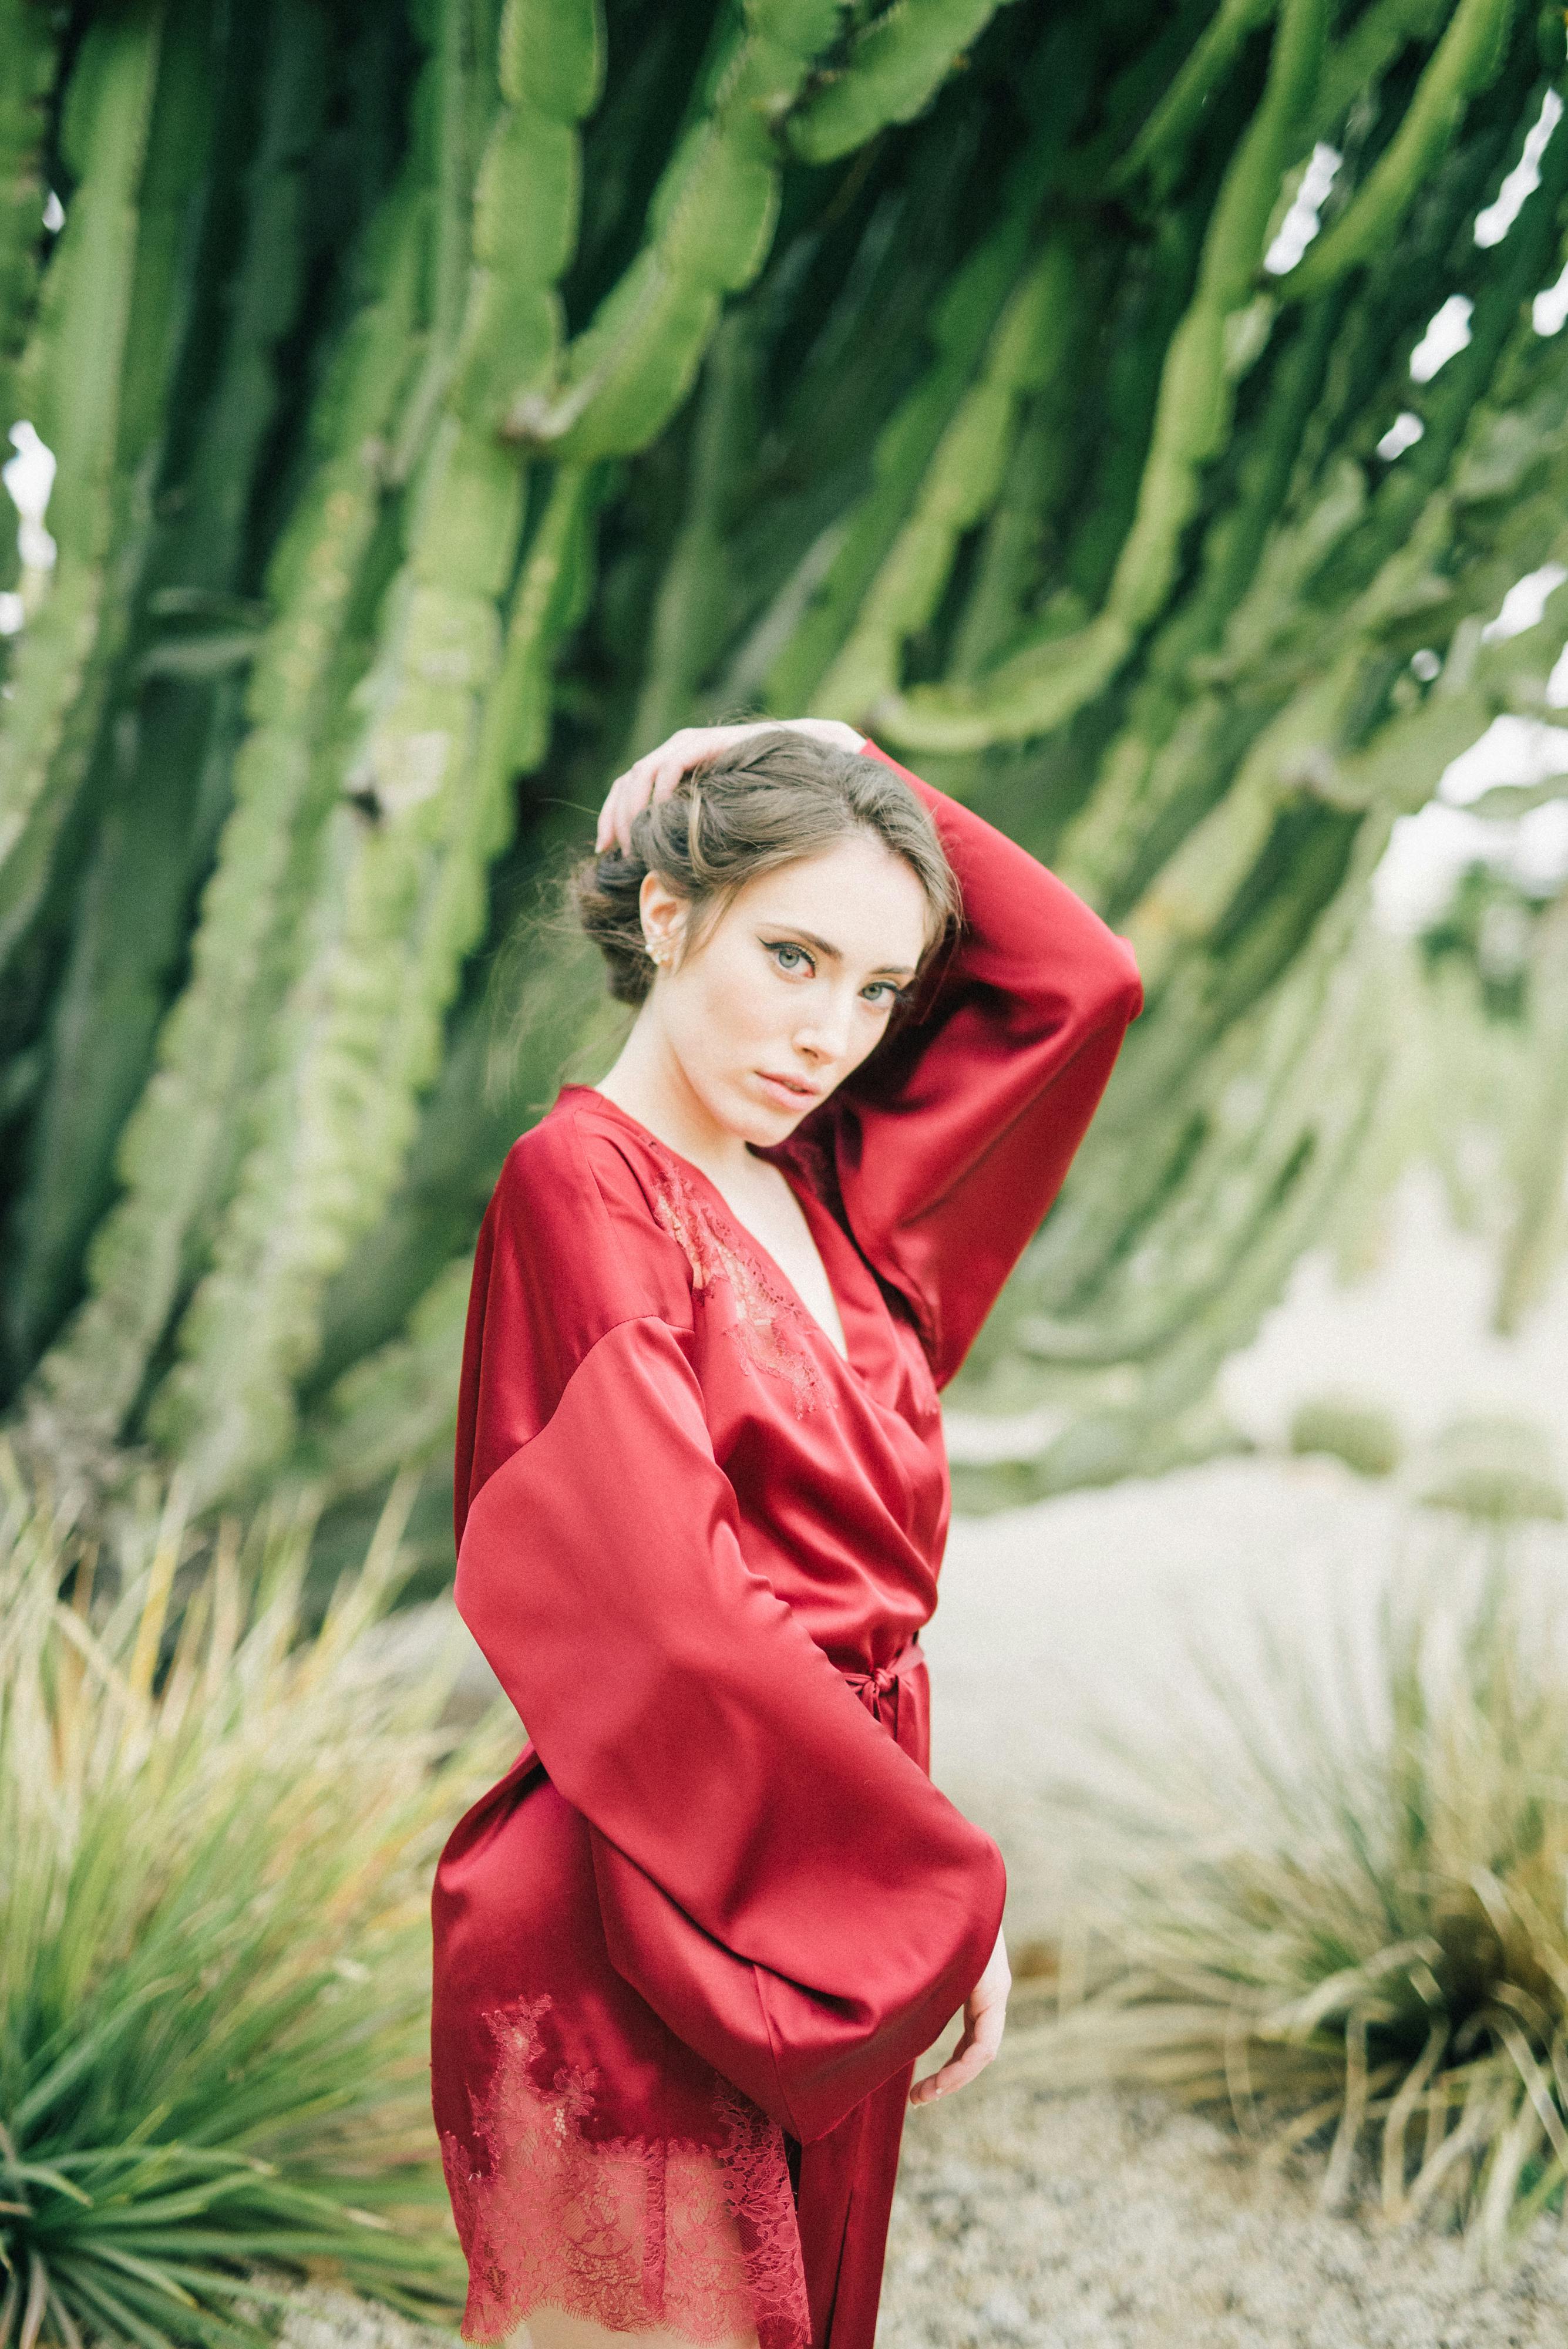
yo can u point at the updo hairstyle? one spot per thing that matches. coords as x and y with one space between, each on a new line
774 798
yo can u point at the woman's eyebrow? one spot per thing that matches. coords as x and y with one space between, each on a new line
835 954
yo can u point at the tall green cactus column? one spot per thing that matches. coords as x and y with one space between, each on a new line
157 785
28 45
404 849
79 387
178 1152
425 781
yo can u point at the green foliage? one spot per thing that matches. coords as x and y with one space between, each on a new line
1533 1246
78 378
1494 1468
217 1831
893 65
1334 1912
26 47
1351 1428
452 399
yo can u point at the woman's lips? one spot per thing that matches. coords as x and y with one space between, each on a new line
780 1089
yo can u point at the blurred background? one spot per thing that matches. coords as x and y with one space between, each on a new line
1148 422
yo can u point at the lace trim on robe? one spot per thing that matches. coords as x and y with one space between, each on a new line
771 1325
630 2234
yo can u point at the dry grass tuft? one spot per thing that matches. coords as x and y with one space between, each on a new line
1337 1912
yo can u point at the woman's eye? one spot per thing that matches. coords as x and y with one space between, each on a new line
780 947
885 993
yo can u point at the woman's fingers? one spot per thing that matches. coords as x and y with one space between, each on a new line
693 746
968 2060
984 2019
655 775
668 773
605 830
977 2047
632 793
652 777
624 803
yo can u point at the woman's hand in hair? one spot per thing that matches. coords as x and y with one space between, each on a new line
655 773
984 2015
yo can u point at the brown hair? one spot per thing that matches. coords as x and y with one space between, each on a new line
775 797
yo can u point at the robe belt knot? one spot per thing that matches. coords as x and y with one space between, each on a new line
878 1691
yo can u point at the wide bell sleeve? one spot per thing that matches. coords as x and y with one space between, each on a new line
953 1140
777 1878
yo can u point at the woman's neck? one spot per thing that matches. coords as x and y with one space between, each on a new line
649 1082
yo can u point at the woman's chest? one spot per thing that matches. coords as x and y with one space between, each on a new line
769 1213
834 1444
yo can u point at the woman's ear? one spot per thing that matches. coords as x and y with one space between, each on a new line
663 915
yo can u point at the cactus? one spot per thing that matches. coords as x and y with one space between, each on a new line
77 382
496 387
959 487
709 226
27 43
153 776
1040 686
893 68
862 540
447 718
405 852
1465 60
178 1148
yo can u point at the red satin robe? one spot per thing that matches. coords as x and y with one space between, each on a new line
689 1949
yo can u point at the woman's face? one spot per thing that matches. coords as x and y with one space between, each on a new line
792 987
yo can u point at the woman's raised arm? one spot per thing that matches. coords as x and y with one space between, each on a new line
953 1139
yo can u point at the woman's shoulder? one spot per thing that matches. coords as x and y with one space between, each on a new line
583 1152
579 1196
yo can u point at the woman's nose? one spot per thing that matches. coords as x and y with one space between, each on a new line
826 1033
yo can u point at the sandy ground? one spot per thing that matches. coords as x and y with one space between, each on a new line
1111 2222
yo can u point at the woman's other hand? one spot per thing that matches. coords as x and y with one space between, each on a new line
984 2013
656 774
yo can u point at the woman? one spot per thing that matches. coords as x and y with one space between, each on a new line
690 1948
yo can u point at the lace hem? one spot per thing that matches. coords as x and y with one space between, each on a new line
630 2234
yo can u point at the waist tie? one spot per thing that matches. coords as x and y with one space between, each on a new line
878 1691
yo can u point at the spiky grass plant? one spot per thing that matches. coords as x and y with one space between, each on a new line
1337 1911
215 1839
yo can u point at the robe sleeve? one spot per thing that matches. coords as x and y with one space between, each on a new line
777 1878
952 1141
